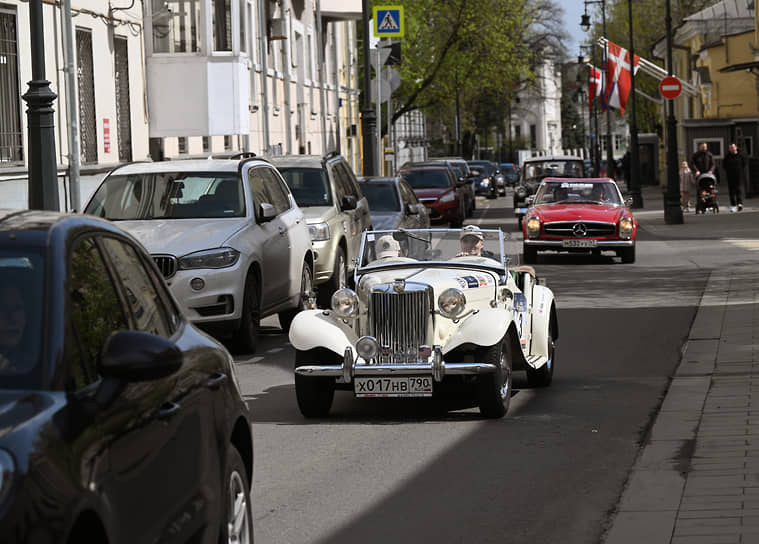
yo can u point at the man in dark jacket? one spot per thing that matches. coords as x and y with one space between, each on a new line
702 161
734 165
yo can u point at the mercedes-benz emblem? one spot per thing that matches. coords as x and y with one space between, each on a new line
579 230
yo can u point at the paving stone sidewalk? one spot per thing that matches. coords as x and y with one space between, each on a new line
696 480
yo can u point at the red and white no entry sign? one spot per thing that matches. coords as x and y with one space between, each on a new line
670 87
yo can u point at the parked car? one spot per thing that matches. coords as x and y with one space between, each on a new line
336 211
535 169
121 421
435 313
510 173
226 233
579 215
394 204
461 173
484 178
438 189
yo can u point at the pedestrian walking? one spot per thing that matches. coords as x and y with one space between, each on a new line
734 165
687 182
702 160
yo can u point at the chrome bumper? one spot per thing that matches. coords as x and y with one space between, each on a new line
437 367
558 244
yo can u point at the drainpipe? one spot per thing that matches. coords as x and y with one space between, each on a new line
320 64
263 36
288 65
71 110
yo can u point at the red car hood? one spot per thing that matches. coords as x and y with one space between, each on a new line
587 212
431 192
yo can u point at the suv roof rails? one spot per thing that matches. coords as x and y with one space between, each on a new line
329 154
249 156
233 156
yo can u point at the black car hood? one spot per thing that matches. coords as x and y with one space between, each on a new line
18 408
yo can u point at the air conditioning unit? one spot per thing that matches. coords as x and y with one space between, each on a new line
277 29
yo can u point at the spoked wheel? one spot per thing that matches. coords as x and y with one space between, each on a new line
237 525
543 376
246 336
306 285
494 390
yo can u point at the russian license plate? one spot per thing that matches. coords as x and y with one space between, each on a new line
579 243
396 386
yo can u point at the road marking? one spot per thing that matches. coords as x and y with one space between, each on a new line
749 244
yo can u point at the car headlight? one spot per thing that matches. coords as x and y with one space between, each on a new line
626 228
319 232
367 347
345 303
451 303
448 197
7 469
485 182
533 227
222 257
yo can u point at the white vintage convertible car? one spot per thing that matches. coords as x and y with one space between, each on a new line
435 312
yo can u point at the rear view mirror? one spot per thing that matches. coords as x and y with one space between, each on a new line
267 212
530 200
412 209
349 202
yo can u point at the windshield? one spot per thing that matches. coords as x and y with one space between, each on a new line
556 169
468 244
586 192
382 197
168 195
428 178
21 304
309 186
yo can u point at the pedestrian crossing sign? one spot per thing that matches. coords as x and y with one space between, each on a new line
388 21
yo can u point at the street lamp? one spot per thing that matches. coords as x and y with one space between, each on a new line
43 170
673 213
633 184
595 142
368 117
585 25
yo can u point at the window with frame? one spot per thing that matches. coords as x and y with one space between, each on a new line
176 25
222 25
94 311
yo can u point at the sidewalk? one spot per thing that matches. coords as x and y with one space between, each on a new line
696 480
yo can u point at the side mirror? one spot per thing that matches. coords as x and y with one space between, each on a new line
412 209
267 212
530 200
349 202
628 201
136 356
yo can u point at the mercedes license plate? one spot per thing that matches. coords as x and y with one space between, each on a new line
396 386
579 243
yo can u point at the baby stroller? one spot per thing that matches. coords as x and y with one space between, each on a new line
706 197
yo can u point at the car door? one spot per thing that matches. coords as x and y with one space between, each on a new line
125 442
269 241
359 218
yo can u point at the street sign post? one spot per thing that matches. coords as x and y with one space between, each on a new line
388 21
670 87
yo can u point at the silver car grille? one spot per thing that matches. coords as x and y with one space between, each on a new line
580 229
167 264
399 318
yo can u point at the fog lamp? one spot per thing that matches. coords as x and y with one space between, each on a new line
367 347
197 284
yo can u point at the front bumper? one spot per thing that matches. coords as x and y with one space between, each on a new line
436 367
324 261
220 299
558 244
445 211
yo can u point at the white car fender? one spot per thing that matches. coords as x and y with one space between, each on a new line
485 328
542 301
313 329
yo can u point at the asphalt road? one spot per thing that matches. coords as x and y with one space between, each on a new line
552 469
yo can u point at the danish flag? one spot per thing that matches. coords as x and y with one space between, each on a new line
618 81
595 85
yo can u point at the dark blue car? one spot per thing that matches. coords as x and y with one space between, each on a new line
484 178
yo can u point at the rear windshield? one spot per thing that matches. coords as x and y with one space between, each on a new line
21 303
168 195
382 197
309 186
427 178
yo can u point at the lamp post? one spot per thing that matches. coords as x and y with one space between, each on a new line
585 25
368 117
673 213
43 171
633 184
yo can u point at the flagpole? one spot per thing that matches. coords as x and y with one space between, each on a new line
609 140
633 184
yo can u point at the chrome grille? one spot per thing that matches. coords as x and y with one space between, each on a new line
167 264
399 319
592 228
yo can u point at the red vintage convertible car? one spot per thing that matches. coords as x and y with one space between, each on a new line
579 215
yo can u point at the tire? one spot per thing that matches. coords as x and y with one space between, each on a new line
494 390
246 336
237 523
543 376
314 393
306 285
627 254
530 254
338 280
519 223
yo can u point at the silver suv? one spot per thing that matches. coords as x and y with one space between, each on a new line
337 213
226 233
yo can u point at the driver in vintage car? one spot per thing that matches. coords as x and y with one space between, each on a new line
473 243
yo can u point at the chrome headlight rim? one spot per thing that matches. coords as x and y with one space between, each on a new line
532 225
626 226
344 303
451 303
367 348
